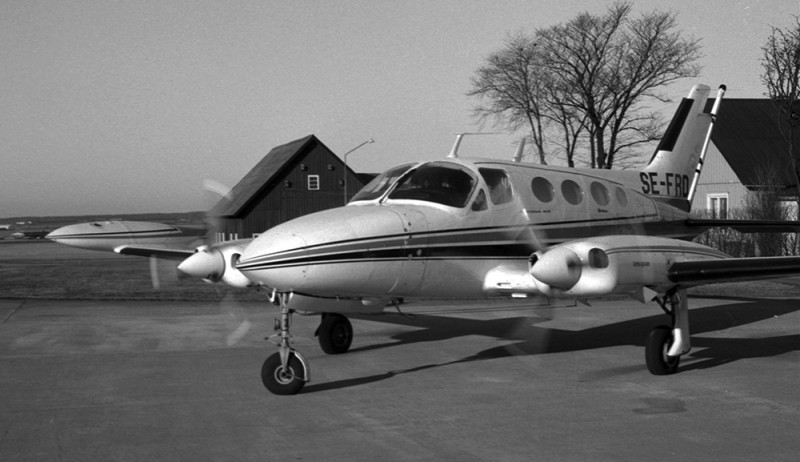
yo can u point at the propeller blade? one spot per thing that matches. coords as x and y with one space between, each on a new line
154 272
216 193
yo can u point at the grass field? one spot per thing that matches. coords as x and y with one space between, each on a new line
46 270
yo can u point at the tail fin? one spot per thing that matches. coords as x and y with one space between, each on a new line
675 167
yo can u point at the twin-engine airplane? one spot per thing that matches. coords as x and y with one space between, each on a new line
158 240
122 235
480 228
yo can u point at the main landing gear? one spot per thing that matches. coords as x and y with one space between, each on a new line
286 372
665 344
335 333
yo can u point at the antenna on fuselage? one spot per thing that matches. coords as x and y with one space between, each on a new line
459 136
520 149
713 115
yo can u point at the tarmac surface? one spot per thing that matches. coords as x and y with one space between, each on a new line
181 381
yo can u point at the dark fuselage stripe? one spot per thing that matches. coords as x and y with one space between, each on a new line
669 249
496 252
483 235
459 243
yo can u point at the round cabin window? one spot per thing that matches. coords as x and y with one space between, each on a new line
600 193
543 189
572 192
622 197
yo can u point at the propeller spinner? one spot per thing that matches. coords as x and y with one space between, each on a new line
216 263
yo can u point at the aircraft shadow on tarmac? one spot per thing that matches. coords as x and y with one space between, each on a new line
532 339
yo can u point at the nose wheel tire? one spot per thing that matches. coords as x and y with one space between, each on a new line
283 380
656 348
335 333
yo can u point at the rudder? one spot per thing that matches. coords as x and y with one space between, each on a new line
675 166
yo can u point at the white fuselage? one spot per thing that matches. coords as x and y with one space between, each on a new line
412 243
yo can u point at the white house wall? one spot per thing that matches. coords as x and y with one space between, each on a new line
718 178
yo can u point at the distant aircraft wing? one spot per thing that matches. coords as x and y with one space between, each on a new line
695 273
748 226
160 252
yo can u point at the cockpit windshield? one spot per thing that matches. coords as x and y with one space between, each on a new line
381 183
439 182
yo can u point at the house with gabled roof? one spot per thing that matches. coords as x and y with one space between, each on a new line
293 179
747 143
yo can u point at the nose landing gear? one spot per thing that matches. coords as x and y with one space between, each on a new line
284 372
284 380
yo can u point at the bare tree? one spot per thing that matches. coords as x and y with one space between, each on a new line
781 76
516 90
511 89
608 65
573 124
593 75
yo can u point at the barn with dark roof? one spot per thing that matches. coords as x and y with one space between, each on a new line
749 140
294 179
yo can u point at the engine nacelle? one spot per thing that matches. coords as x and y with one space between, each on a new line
613 264
217 263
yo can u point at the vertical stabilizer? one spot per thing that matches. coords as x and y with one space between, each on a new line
675 166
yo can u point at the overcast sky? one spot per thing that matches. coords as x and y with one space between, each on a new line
126 107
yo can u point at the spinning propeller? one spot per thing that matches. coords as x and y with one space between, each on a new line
215 261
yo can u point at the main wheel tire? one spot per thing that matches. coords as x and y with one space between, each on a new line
280 380
335 333
655 352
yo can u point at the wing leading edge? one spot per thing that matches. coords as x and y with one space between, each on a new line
694 273
160 252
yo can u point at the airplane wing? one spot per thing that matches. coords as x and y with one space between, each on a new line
694 273
747 226
160 252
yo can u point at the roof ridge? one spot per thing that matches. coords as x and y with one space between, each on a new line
261 175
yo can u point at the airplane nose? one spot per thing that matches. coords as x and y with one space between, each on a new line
79 235
63 231
92 236
204 264
330 252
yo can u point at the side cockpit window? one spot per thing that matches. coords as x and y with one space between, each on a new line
442 183
499 185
